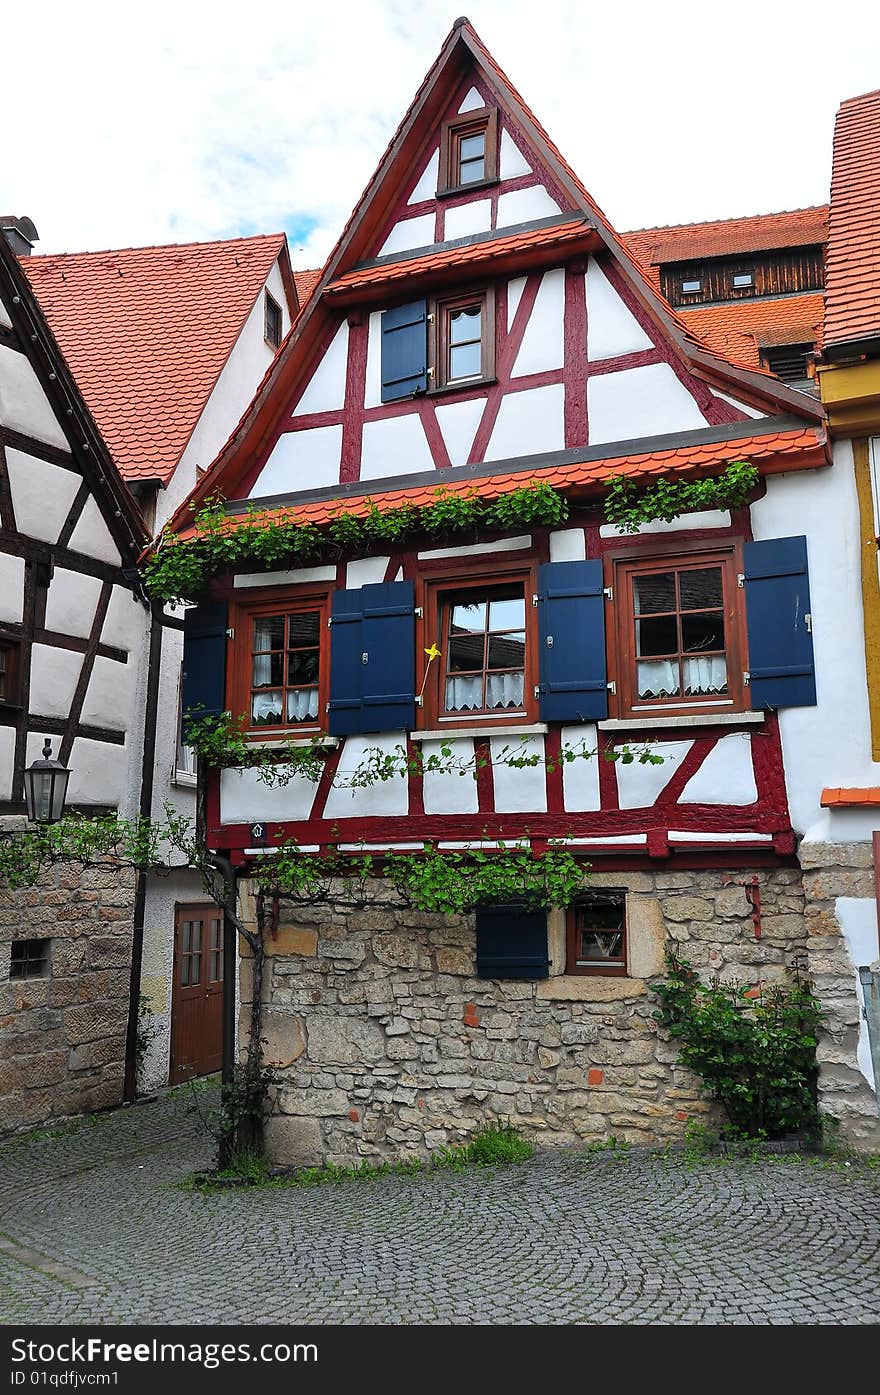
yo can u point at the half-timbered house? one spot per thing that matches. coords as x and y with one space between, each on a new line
480 326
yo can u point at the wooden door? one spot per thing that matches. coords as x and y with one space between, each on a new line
197 999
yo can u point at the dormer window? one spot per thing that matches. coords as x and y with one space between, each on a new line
469 151
743 281
691 287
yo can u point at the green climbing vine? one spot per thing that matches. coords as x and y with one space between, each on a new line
627 505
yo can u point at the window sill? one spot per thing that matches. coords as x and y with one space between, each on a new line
711 719
465 385
484 729
184 779
586 988
457 190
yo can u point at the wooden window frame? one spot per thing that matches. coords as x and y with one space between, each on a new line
468 123
12 645
242 615
573 916
270 300
440 309
620 568
691 285
463 576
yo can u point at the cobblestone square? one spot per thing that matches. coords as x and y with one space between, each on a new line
96 1226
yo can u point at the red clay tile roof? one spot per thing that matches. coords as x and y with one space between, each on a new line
761 232
849 798
305 282
146 332
767 449
853 263
470 255
737 329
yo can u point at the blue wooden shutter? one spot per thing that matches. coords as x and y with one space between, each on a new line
511 942
777 586
404 351
372 659
204 661
571 623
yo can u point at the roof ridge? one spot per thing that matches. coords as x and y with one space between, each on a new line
733 218
158 247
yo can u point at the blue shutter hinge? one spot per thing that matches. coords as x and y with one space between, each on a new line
608 592
418 611
230 633
365 658
535 600
549 641
808 621
741 579
746 678
612 686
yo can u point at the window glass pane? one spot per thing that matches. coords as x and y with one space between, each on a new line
302 666
266 708
701 632
658 636
654 592
197 936
471 617
504 690
465 361
466 654
464 325
473 147
743 280
195 970
269 632
187 936
464 694
471 170
302 704
305 629
507 615
507 651
657 678
267 669
701 590
599 947
708 675
690 286
184 971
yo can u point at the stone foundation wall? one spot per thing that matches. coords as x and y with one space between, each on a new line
835 873
62 1036
386 1044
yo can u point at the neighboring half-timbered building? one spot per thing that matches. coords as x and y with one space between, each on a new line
73 625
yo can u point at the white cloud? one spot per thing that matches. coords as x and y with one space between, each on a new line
187 120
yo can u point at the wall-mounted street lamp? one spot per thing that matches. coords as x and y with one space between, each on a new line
45 787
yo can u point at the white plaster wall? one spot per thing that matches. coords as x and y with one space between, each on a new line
373 383
92 536
395 446
743 407
125 624
458 422
452 790
7 759
365 570
580 777
706 518
568 545
612 330
478 549
472 101
41 494
639 786
71 603
639 402
515 289
163 893
11 588
542 346
110 695
525 206
858 921
467 219
4 317
726 776
529 422
426 186
409 233
301 460
518 790
828 744
245 798
99 773
54 674
385 799
511 162
295 577
23 404
326 388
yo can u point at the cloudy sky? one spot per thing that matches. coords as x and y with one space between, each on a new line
169 122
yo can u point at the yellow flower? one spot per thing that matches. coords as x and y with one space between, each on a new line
433 652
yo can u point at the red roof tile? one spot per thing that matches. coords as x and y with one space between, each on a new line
761 232
305 282
738 329
850 798
592 474
853 263
146 332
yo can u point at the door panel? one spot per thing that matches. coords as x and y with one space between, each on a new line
197 998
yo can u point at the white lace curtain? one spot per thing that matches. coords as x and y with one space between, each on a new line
302 704
659 677
466 694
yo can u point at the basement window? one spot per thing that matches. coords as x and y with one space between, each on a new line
596 933
29 959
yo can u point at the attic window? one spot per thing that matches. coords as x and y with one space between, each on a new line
272 322
691 287
742 280
469 151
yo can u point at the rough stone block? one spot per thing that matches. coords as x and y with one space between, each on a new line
400 951
312 1102
293 1142
343 1040
646 936
283 1039
687 908
292 939
583 989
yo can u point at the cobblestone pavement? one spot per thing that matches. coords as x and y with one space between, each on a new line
96 1227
